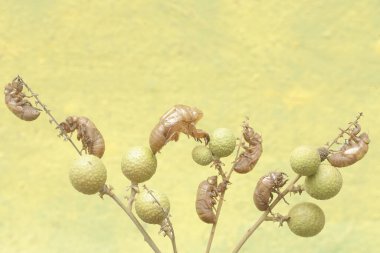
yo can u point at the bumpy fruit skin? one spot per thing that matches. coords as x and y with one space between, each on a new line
202 155
305 160
139 164
325 183
88 174
306 219
222 142
148 209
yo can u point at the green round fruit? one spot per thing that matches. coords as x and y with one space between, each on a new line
202 155
149 210
325 183
306 219
305 160
222 142
88 174
139 164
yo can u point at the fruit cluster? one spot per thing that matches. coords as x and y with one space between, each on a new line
323 181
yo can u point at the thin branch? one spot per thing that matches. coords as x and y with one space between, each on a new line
52 119
169 232
218 165
264 216
221 198
343 131
107 190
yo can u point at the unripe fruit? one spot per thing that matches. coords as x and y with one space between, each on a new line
88 174
325 183
202 155
305 160
139 164
149 210
222 142
306 219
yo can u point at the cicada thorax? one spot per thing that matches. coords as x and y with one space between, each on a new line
94 141
248 133
206 199
249 158
265 187
157 138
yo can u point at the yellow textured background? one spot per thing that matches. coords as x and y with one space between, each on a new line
298 69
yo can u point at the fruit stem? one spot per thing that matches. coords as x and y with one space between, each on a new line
264 216
169 232
278 218
134 190
52 119
107 190
221 198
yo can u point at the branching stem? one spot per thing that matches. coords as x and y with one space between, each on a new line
134 190
221 198
278 218
107 190
264 216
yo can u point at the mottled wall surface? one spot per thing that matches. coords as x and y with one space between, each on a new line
298 69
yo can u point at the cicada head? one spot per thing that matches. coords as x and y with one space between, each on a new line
279 178
213 180
17 84
69 125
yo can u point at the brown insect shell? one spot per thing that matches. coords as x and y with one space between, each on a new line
16 102
205 200
90 136
249 158
264 188
180 118
243 164
350 152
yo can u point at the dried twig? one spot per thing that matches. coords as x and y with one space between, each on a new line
48 112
